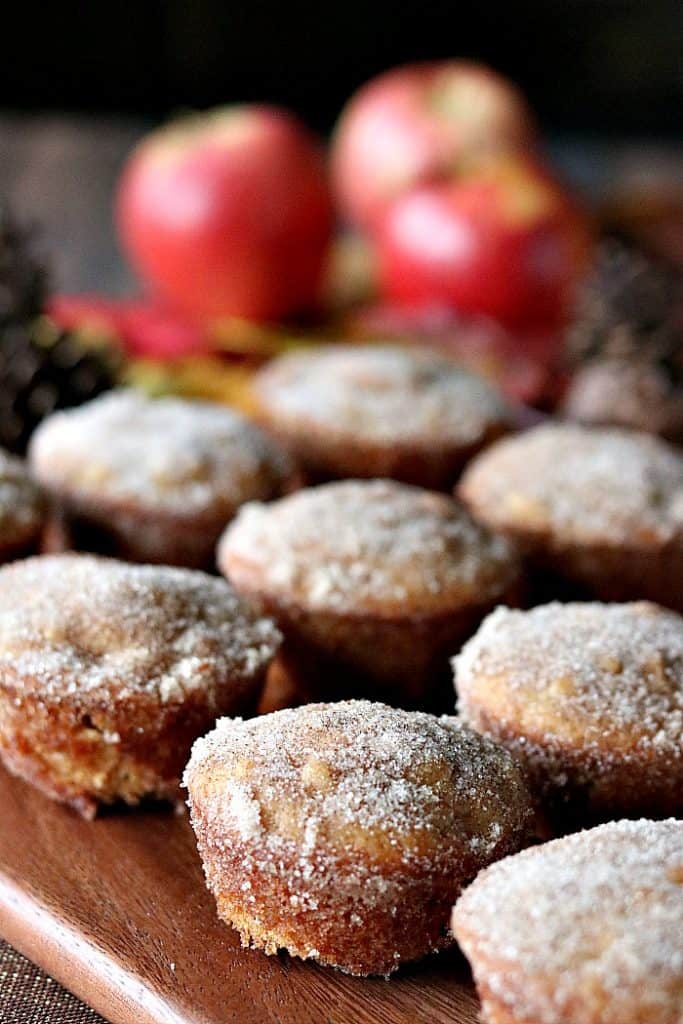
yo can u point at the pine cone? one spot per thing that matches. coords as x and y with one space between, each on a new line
629 308
43 369
23 274
632 394
626 346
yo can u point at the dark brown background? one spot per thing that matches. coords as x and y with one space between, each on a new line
600 66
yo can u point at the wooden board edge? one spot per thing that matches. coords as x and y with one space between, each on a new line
80 966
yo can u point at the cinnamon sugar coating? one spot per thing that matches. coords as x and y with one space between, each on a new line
589 697
604 507
380 410
583 930
377 578
155 479
343 832
22 508
108 672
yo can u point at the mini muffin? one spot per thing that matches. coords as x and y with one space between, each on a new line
22 510
374 583
638 395
589 697
601 507
109 672
344 832
154 480
583 930
371 411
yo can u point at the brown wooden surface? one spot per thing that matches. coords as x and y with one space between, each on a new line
116 910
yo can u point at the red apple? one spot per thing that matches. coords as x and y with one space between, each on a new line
227 214
505 242
142 327
419 124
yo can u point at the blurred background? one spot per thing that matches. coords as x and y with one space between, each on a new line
79 82
573 147
594 66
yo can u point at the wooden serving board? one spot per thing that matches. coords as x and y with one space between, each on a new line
116 910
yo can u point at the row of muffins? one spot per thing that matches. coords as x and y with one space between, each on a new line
374 585
157 481
345 832
109 671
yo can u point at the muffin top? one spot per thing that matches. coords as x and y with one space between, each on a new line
380 395
640 396
170 454
21 503
357 780
78 627
584 928
582 484
586 675
373 546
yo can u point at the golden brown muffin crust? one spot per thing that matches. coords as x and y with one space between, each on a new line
154 480
169 455
581 485
109 671
341 831
601 508
367 548
365 393
583 930
589 696
380 410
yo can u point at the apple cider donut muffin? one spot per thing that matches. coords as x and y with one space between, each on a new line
374 583
587 929
344 832
602 507
379 411
22 509
589 697
154 480
109 672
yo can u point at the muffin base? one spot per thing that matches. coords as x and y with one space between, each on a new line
379 946
577 788
133 534
329 656
325 456
493 1009
585 1007
604 571
355 925
89 754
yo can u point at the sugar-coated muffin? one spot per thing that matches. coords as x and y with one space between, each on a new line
109 672
373 583
379 411
603 507
637 395
154 480
589 697
583 930
344 832
22 509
